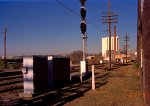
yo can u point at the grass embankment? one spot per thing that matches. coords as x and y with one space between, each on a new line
122 89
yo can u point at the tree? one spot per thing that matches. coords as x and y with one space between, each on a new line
76 56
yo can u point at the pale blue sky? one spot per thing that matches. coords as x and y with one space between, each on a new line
46 27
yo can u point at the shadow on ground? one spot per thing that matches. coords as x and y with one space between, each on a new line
61 96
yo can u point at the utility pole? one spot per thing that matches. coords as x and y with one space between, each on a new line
109 18
126 39
115 42
5 30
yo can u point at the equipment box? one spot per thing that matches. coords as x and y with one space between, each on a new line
35 78
58 71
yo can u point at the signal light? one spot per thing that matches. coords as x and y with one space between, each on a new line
83 2
83 12
83 27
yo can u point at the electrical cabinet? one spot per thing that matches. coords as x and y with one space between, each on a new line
35 78
41 73
58 71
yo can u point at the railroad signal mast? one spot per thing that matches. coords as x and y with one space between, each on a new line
84 37
83 26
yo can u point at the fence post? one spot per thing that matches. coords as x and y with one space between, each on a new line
93 78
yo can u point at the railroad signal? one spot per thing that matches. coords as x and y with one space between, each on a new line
83 2
83 12
83 27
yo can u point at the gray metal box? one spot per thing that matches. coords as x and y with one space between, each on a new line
35 69
58 71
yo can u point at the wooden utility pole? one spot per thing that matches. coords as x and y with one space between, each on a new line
115 42
126 39
109 18
5 62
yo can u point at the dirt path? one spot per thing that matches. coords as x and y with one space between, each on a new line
122 89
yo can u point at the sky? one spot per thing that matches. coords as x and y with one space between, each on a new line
44 27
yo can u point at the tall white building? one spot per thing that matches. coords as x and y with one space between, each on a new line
105 45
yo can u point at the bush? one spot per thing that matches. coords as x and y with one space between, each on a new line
136 64
17 66
1 64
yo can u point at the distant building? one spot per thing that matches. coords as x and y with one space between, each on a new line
105 46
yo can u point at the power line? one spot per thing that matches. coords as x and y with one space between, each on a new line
72 11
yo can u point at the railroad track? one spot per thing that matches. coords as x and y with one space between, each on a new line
9 73
10 80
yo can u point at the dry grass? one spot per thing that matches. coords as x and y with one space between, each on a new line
122 89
